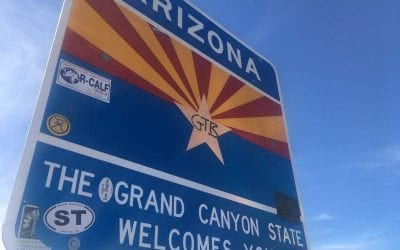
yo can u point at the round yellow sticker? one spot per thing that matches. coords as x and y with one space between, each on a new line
58 125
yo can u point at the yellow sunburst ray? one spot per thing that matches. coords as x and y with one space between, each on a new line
88 23
244 95
147 34
218 80
186 59
270 127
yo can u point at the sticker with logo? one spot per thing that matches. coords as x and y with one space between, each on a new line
106 189
84 81
69 218
27 229
29 218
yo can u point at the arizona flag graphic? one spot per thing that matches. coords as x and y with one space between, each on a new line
148 58
171 107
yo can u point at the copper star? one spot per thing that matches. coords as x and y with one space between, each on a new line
205 130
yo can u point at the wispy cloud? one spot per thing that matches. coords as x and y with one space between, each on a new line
23 58
322 217
362 241
340 247
388 158
24 51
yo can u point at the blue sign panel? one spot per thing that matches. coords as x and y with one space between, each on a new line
125 209
156 129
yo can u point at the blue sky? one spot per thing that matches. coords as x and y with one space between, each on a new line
338 68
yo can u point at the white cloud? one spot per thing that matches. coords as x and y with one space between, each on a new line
340 247
391 155
322 217
23 59
370 240
24 51
387 159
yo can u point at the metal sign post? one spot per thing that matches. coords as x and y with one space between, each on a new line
155 128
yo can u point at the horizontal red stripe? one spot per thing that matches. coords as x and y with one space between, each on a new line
257 108
271 145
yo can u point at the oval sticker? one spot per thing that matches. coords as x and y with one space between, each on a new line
105 189
69 218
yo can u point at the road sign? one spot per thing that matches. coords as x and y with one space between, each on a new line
155 128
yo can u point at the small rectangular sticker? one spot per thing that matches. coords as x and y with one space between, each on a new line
29 219
84 81
287 207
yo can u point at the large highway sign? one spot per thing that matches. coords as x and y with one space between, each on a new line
155 129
